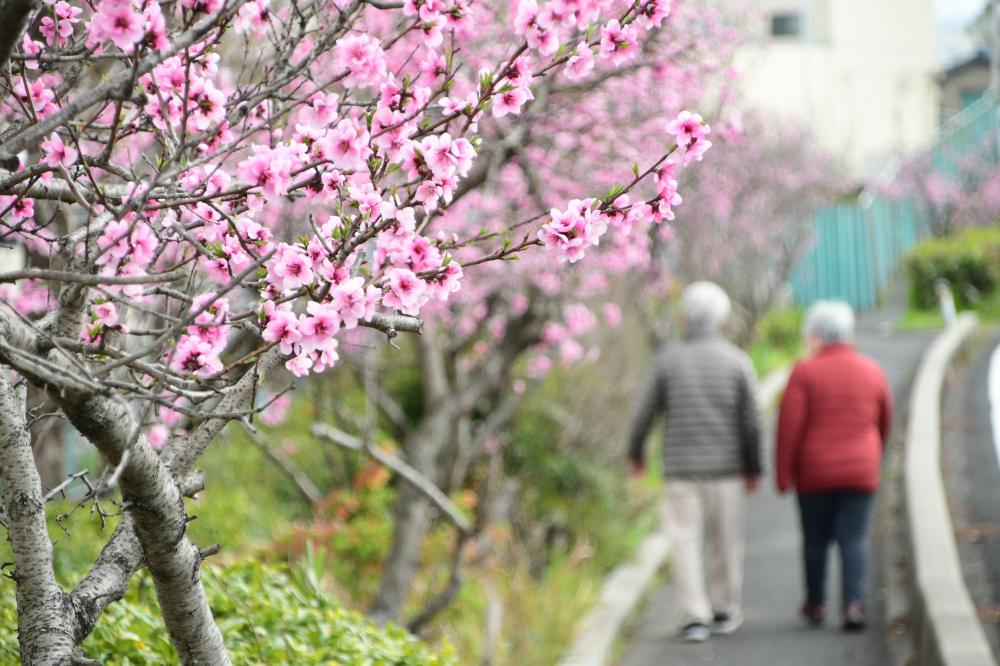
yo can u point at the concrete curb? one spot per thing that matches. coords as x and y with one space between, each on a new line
946 628
624 587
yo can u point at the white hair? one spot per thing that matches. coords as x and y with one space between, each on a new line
830 322
704 306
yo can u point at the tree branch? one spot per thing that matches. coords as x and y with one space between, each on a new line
414 478
302 482
44 630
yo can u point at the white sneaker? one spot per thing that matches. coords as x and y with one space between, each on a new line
696 632
726 623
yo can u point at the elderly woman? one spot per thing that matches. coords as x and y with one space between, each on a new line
832 428
703 387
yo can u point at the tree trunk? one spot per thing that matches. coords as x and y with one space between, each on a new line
45 632
155 503
411 513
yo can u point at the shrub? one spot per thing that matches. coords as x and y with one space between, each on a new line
969 261
778 340
268 615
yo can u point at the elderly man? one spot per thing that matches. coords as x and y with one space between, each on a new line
704 388
832 426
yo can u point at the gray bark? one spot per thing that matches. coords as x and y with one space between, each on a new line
411 514
107 580
156 505
44 632
444 408
13 18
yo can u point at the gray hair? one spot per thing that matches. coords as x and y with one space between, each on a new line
704 306
830 322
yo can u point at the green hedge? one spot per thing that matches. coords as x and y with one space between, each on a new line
969 260
268 615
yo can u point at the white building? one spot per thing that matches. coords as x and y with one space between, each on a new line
860 73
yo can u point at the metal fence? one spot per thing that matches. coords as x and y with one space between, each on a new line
857 245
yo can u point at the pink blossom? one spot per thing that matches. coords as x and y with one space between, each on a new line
653 12
349 301
276 411
612 314
58 31
434 67
253 17
445 155
289 268
267 168
57 153
32 49
318 327
579 319
321 109
581 63
210 323
20 208
283 328
511 101
154 27
362 56
299 365
106 314
406 292
157 437
569 232
619 43
207 105
169 417
348 145
192 356
690 132
116 20
203 6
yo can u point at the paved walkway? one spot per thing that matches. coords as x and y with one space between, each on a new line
772 634
972 477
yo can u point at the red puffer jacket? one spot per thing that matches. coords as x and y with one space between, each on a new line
833 424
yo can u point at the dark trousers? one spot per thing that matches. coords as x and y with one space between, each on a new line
842 517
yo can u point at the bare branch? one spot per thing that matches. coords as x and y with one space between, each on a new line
302 482
400 467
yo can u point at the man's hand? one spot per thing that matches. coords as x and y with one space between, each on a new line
751 483
637 468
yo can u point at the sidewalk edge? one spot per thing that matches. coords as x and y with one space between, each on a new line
947 629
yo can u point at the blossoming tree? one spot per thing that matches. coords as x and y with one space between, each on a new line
584 123
765 181
206 189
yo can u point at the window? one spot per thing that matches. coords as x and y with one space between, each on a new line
786 24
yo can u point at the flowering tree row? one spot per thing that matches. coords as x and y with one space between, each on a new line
765 181
204 190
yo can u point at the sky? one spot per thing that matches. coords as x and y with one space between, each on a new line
957 13
953 17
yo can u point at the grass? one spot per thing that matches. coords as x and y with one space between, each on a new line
919 319
778 341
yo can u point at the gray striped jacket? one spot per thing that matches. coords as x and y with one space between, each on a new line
705 388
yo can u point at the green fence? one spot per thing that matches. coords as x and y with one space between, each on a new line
857 245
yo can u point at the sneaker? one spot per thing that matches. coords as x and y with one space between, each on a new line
814 613
726 623
854 616
696 632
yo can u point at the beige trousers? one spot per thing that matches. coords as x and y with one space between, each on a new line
702 515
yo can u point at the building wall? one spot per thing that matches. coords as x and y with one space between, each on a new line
862 76
957 90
